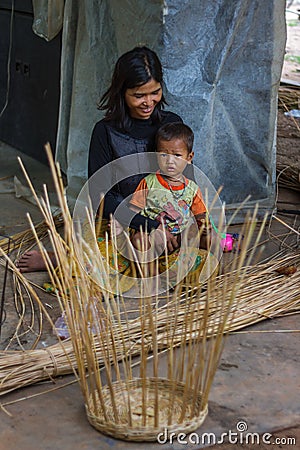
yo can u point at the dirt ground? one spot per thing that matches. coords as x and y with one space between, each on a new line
291 65
288 128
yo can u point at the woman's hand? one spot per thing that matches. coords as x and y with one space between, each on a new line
115 226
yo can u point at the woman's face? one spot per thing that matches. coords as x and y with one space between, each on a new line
141 100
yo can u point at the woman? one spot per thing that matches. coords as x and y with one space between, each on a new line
134 106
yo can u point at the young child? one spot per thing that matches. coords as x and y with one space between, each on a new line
167 195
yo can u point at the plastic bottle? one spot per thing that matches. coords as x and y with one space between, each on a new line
61 327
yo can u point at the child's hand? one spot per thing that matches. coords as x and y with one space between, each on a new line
171 239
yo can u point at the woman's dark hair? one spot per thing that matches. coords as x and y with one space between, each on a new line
176 130
134 68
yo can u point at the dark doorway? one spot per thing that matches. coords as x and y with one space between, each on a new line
29 82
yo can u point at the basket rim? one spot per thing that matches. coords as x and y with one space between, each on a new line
138 432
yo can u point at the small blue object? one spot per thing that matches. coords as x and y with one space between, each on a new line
293 113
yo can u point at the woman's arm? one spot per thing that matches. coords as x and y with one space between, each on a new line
100 151
100 155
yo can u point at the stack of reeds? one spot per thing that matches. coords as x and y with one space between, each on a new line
288 98
288 176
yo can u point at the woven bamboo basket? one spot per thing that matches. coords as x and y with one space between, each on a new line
168 392
143 409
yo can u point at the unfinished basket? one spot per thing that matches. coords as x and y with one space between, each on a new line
145 408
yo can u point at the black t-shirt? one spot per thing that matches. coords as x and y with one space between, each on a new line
107 144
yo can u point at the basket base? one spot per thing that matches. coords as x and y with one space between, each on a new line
144 408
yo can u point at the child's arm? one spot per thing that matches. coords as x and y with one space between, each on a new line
137 204
138 200
135 208
200 214
204 226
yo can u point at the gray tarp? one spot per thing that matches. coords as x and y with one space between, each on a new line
222 63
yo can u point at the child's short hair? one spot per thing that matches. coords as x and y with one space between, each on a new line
176 130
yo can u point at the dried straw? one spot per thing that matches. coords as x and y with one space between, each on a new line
288 98
288 176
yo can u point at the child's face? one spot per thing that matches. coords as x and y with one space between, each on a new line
173 156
